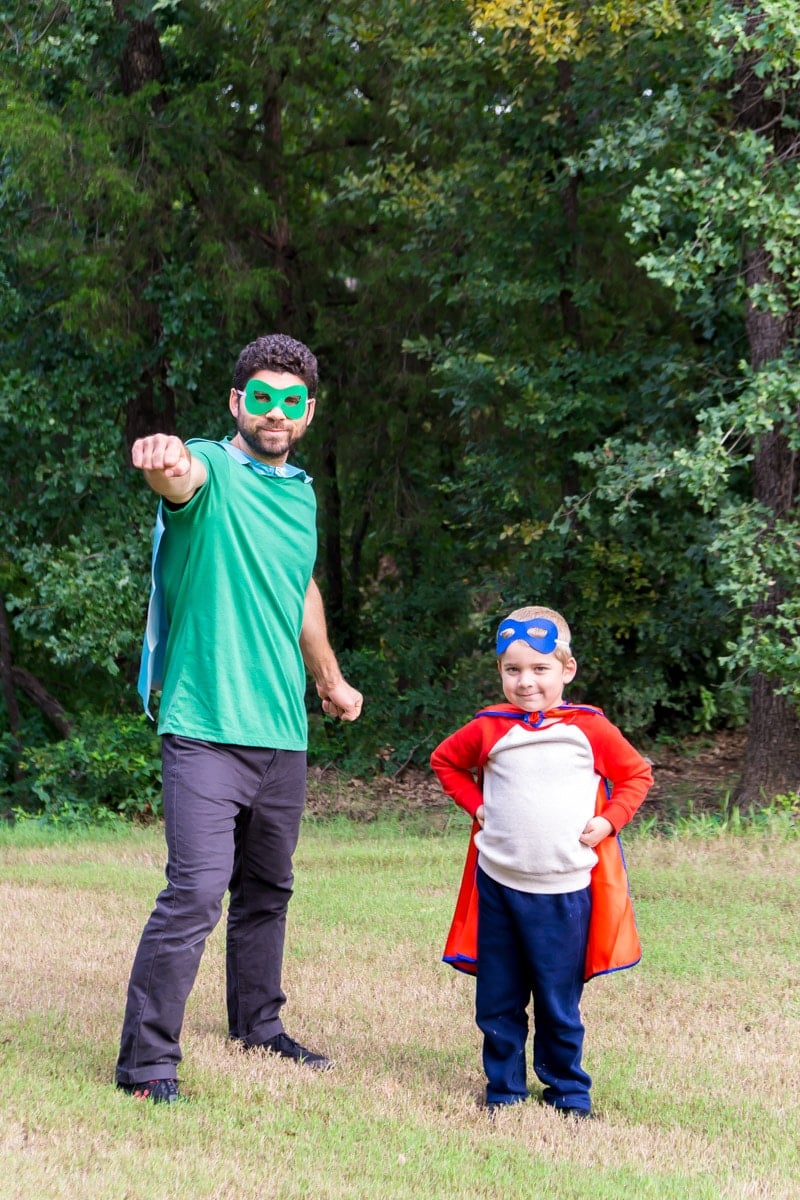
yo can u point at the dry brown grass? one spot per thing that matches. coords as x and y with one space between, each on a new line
694 1054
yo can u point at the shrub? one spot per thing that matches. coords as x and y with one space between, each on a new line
111 764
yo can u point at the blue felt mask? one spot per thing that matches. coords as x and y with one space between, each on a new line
537 632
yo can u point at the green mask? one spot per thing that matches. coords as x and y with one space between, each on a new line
260 397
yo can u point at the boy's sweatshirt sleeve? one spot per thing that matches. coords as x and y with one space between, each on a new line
456 762
628 773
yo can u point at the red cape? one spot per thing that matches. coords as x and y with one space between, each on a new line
613 937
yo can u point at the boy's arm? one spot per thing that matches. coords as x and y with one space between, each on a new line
169 468
456 761
628 773
596 831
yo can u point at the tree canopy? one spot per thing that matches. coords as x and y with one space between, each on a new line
547 257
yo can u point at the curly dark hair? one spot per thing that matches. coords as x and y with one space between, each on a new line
276 352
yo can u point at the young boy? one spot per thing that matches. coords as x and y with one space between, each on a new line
532 773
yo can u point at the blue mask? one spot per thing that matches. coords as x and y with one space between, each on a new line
537 632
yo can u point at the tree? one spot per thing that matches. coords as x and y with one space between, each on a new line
766 104
720 229
552 344
173 183
432 197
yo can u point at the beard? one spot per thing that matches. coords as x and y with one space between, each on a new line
265 442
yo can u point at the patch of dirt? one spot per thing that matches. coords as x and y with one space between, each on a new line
697 772
693 775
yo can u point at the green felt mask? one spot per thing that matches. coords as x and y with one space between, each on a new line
260 397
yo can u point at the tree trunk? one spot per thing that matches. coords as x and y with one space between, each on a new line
772 751
38 693
152 408
17 678
570 313
279 236
7 676
141 61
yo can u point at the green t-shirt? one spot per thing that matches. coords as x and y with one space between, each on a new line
236 562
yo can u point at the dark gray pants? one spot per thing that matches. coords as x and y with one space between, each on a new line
232 818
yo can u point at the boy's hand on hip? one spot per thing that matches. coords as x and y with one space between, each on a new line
595 831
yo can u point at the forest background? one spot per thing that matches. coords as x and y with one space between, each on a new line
548 256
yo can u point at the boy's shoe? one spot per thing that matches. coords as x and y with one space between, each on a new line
160 1091
580 1114
287 1047
493 1106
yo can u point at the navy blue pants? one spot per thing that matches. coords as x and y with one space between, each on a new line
532 945
232 820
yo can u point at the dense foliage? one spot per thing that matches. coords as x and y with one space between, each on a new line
547 256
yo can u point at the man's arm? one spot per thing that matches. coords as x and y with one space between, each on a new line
339 699
169 468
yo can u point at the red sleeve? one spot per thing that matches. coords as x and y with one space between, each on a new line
456 762
616 759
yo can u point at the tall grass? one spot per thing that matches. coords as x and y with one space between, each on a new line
694 1053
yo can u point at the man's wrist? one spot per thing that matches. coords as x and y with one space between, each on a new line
327 680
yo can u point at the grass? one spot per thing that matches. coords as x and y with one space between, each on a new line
694 1053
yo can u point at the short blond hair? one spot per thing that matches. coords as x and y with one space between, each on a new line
562 652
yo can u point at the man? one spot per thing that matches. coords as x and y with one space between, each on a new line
239 616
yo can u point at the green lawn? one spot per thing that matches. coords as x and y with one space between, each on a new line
694 1053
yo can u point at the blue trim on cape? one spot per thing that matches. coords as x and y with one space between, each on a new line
527 717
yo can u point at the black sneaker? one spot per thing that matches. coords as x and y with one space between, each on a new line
287 1047
577 1114
160 1091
